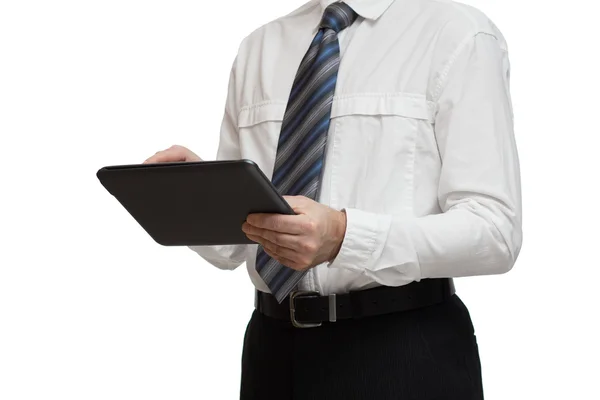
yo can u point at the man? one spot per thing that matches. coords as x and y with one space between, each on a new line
388 126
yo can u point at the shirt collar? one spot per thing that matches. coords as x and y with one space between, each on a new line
368 9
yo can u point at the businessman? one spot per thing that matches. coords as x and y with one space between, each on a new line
388 127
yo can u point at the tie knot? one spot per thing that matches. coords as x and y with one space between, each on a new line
338 16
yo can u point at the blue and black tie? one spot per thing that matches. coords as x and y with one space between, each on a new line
301 147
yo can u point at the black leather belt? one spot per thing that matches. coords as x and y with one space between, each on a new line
309 309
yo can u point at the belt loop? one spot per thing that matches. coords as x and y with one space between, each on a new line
452 287
332 308
357 309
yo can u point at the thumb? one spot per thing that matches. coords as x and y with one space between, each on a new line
298 203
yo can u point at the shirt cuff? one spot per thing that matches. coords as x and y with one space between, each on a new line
363 241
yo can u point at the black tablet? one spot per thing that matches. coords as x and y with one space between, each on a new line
193 203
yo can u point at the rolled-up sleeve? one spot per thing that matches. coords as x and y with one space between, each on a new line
479 230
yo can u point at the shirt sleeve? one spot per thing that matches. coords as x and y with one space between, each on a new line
478 231
227 256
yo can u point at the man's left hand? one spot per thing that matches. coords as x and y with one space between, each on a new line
301 241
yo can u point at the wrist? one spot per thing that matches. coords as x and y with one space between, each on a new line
339 233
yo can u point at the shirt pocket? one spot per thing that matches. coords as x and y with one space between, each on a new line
372 153
259 126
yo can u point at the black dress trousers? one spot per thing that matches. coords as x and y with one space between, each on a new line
425 354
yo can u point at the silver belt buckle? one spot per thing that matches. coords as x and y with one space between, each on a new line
293 296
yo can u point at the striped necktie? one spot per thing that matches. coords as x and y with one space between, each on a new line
301 146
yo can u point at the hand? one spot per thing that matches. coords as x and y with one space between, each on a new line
300 241
174 153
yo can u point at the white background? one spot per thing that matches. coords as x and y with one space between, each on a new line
92 308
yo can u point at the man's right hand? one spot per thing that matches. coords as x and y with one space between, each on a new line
174 153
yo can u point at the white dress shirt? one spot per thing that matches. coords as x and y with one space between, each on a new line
420 151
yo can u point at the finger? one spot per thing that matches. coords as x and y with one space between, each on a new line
293 224
277 251
280 239
286 253
174 153
255 238
298 203
285 261
169 155
286 240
